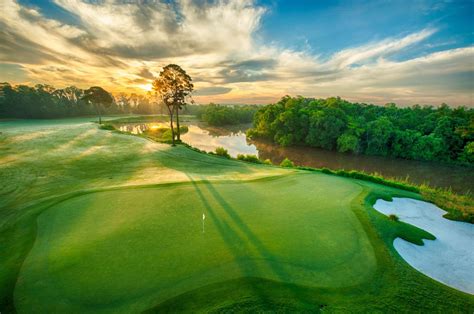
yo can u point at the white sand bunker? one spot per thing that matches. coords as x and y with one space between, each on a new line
448 259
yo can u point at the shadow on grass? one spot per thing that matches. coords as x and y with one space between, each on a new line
282 275
234 241
231 238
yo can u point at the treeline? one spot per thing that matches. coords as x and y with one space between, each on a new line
420 133
45 101
219 115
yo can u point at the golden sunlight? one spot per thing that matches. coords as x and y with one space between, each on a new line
146 87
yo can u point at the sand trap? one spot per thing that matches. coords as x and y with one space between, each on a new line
448 259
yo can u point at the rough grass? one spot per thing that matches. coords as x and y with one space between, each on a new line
458 207
117 182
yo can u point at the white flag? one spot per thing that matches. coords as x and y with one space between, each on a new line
203 216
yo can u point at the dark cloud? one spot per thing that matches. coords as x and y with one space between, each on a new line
145 73
247 71
208 91
16 48
144 17
237 76
252 65
88 43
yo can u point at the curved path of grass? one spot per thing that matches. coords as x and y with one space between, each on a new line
94 221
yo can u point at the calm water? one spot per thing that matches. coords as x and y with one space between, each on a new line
460 179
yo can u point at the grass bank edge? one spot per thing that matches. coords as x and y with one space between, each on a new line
458 207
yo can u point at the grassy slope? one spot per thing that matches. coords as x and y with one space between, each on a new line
69 166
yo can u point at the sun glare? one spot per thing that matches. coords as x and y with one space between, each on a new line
146 87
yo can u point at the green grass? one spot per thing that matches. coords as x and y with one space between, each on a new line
97 221
458 207
281 232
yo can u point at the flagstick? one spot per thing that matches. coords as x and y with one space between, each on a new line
203 218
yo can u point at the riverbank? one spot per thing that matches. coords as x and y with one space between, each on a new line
433 181
233 138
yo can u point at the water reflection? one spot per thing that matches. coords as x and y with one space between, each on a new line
438 175
139 128
234 140
208 139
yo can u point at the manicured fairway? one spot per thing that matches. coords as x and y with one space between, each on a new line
99 222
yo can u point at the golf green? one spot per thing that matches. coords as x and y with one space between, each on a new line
127 250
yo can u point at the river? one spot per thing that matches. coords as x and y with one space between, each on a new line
459 179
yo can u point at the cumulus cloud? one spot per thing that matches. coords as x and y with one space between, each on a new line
153 30
123 45
145 73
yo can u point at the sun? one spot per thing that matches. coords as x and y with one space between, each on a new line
146 87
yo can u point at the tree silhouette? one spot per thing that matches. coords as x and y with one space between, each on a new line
174 87
98 97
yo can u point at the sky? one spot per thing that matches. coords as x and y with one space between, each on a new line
245 51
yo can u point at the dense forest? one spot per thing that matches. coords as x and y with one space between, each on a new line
45 101
420 133
219 115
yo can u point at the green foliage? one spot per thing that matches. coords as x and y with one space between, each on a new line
325 127
218 115
348 143
174 87
420 133
468 153
45 101
249 158
183 129
287 163
98 96
163 134
267 162
379 133
459 207
221 151
109 127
